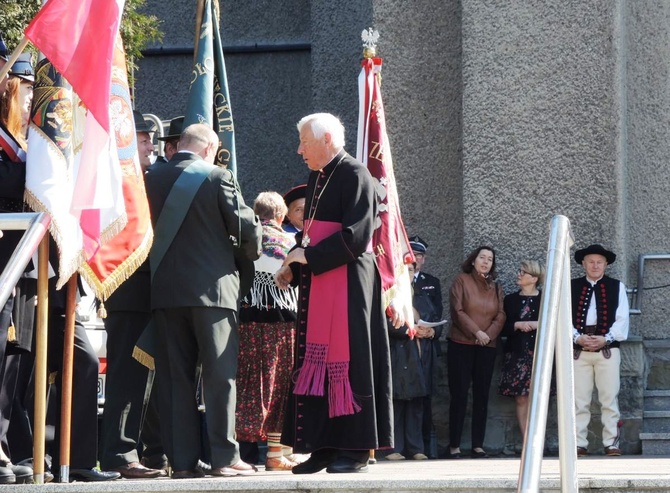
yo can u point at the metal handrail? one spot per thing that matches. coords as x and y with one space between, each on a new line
636 305
158 132
553 331
36 225
36 236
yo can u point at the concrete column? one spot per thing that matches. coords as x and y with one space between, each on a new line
542 125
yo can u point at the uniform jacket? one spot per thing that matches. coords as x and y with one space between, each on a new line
199 268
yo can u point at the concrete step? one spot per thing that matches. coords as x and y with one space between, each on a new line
655 443
656 422
656 400
594 474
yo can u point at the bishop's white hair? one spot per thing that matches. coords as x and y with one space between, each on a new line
322 124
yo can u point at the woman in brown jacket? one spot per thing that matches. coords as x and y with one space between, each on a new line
477 316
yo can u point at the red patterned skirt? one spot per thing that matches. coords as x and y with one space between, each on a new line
264 368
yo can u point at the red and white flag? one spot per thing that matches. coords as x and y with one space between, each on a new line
119 257
73 169
389 241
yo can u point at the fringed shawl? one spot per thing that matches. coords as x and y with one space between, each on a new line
264 294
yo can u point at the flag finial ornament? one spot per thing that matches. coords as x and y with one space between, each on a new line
370 37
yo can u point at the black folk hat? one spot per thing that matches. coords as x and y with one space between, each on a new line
417 244
141 125
594 249
174 132
23 68
294 194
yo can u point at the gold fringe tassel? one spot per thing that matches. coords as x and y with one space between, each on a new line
144 358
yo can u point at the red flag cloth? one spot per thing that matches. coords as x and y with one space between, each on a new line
77 36
73 170
389 240
119 257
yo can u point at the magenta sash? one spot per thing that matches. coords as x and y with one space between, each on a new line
327 348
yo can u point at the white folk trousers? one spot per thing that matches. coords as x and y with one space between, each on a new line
593 368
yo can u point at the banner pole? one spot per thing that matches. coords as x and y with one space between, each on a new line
66 380
41 337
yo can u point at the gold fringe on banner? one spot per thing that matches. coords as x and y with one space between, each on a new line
11 334
144 358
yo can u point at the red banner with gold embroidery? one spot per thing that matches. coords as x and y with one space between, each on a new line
389 240
117 259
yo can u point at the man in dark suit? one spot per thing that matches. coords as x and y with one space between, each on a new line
428 302
128 313
195 295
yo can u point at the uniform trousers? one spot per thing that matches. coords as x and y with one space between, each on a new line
593 368
7 374
122 420
466 364
84 419
407 432
188 336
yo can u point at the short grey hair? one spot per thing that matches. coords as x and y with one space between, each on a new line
322 124
269 205
197 136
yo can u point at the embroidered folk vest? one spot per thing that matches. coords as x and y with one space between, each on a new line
606 293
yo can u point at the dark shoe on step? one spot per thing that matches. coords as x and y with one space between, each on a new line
48 476
318 461
92 475
479 454
155 462
188 474
582 452
347 465
241 468
135 470
203 467
6 475
23 474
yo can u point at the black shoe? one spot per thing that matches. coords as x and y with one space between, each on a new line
91 475
455 455
319 460
187 474
479 455
347 464
23 474
203 467
155 462
48 477
6 475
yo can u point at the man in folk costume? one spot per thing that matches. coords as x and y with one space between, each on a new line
197 210
600 317
341 403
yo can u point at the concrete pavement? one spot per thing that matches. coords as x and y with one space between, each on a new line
604 475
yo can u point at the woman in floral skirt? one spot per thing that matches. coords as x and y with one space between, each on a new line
522 309
267 334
